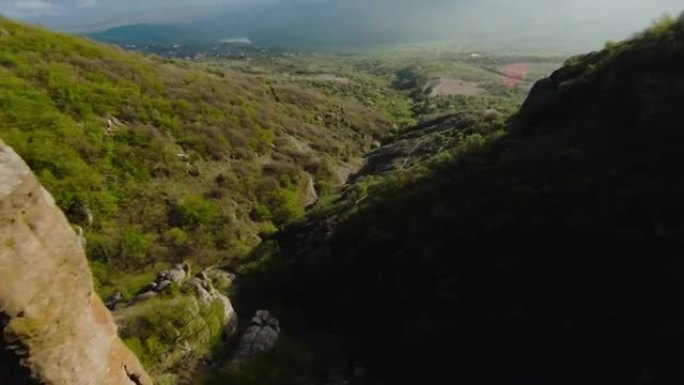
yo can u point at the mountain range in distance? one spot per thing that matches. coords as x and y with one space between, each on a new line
325 25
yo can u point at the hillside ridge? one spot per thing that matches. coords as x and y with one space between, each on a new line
546 254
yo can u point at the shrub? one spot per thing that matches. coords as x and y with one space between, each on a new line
177 238
195 211
159 330
284 206
660 26
134 247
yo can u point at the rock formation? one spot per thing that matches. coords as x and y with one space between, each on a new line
54 328
164 281
259 338
203 286
311 195
419 144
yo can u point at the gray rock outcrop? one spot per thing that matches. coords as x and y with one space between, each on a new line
177 274
164 281
81 237
206 292
202 285
311 195
259 338
417 145
114 300
53 325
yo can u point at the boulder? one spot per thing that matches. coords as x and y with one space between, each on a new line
114 300
81 237
152 286
179 273
54 327
90 218
164 285
231 319
145 296
198 286
259 338
310 195
117 122
204 289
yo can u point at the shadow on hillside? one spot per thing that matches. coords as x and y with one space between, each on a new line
546 260
552 255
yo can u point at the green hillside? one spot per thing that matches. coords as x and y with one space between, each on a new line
547 254
159 161
480 244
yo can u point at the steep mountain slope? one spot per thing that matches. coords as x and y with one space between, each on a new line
550 254
160 161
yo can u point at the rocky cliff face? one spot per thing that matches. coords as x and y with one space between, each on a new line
55 329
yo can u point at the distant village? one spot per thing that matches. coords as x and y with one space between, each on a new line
233 48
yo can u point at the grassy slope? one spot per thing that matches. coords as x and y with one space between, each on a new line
382 79
543 256
250 146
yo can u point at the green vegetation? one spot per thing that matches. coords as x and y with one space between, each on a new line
394 81
162 161
170 334
288 363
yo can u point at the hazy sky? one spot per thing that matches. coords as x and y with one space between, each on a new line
602 19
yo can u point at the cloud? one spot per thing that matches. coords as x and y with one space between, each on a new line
31 9
23 8
34 5
417 19
86 3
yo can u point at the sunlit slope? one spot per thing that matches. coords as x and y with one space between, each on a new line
158 160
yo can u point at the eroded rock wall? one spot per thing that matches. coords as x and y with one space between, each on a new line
54 324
